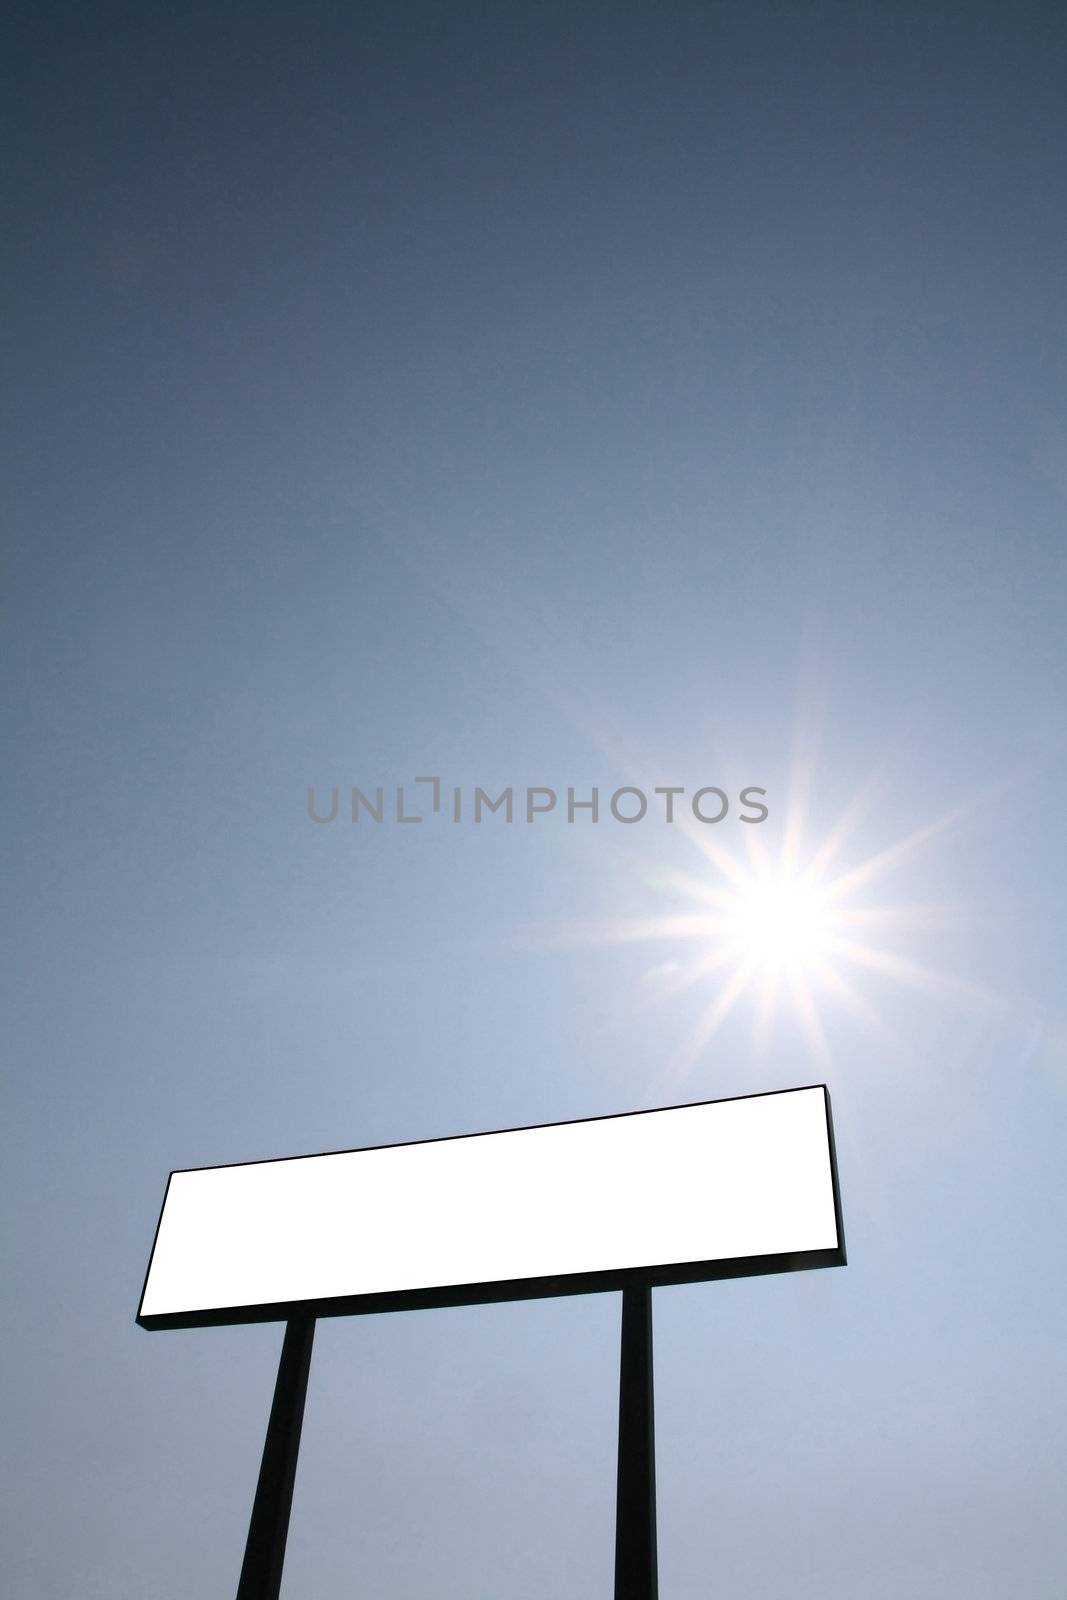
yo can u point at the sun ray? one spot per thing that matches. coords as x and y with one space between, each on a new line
692 888
876 866
687 977
844 828
711 1020
810 1021
763 1018
923 978
850 997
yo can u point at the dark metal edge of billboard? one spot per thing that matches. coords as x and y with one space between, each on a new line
469 1294
839 1221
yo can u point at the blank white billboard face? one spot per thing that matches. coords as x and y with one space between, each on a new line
719 1189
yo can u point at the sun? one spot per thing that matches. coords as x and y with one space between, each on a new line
792 937
779 925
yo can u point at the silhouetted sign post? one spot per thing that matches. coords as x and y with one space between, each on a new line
720 1189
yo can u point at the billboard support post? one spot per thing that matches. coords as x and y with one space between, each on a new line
261 1573
635 1506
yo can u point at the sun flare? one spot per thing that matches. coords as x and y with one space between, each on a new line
792 939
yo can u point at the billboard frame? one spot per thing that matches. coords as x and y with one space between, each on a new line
498 1290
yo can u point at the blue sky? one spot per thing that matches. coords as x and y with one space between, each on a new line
536 396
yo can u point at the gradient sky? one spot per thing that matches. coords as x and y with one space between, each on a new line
534 395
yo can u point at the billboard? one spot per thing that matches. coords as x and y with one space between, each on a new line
723 1188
